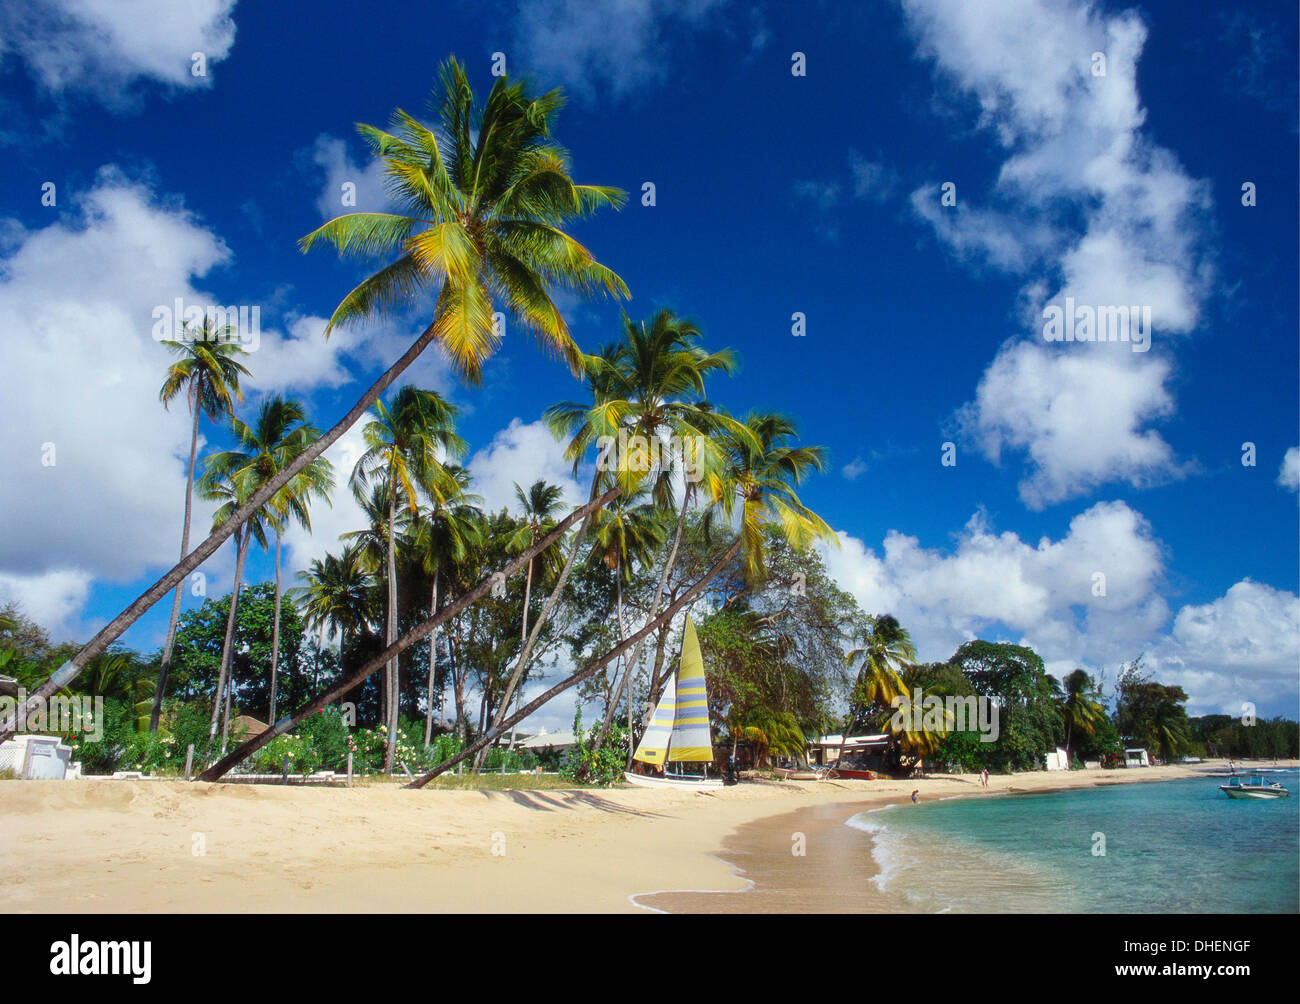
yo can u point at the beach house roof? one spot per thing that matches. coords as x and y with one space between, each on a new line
838 740
548 740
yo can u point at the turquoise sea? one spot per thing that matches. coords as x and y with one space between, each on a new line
1170 847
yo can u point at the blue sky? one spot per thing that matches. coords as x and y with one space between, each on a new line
775 194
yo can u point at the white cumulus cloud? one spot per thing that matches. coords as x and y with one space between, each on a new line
106 48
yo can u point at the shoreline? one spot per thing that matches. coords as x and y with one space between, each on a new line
787 883
103 846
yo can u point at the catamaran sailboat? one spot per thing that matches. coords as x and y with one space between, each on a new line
678 732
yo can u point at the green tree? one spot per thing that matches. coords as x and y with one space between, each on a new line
403 445
207 374
278 436
483 206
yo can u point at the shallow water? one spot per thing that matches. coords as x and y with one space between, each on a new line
1170 847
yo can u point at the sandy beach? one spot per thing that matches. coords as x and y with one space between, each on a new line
126 846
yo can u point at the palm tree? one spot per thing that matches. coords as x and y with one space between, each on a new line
403 443
370 545
628 532
537 508
334 597
232 490
443 539
882 658
483 205
1080 709
916 738
756 489
773 732
645 388
280 433
207 373
885 652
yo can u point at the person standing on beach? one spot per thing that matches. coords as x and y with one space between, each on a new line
914 791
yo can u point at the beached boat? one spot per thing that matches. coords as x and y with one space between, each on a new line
800 773
850 774
678 732
1254 786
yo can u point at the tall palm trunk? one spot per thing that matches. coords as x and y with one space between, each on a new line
275 630
242 540
320 650
390 633
433 665
458 683
176 600
113 630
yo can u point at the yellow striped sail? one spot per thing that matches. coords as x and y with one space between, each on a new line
691 741
654 744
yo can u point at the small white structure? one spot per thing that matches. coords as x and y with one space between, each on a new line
1136 757
1058 759
553 740
38 758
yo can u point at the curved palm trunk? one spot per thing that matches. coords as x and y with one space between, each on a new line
223 675
275 630
390 633
433 665
176 600
69 671
585 673
420 631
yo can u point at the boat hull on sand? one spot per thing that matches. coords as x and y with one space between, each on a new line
687 783
799 775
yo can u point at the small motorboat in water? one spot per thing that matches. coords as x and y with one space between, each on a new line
1254 786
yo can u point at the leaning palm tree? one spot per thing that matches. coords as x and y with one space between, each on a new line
207 374
483 202
757 490
764 468
403 445
647 393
